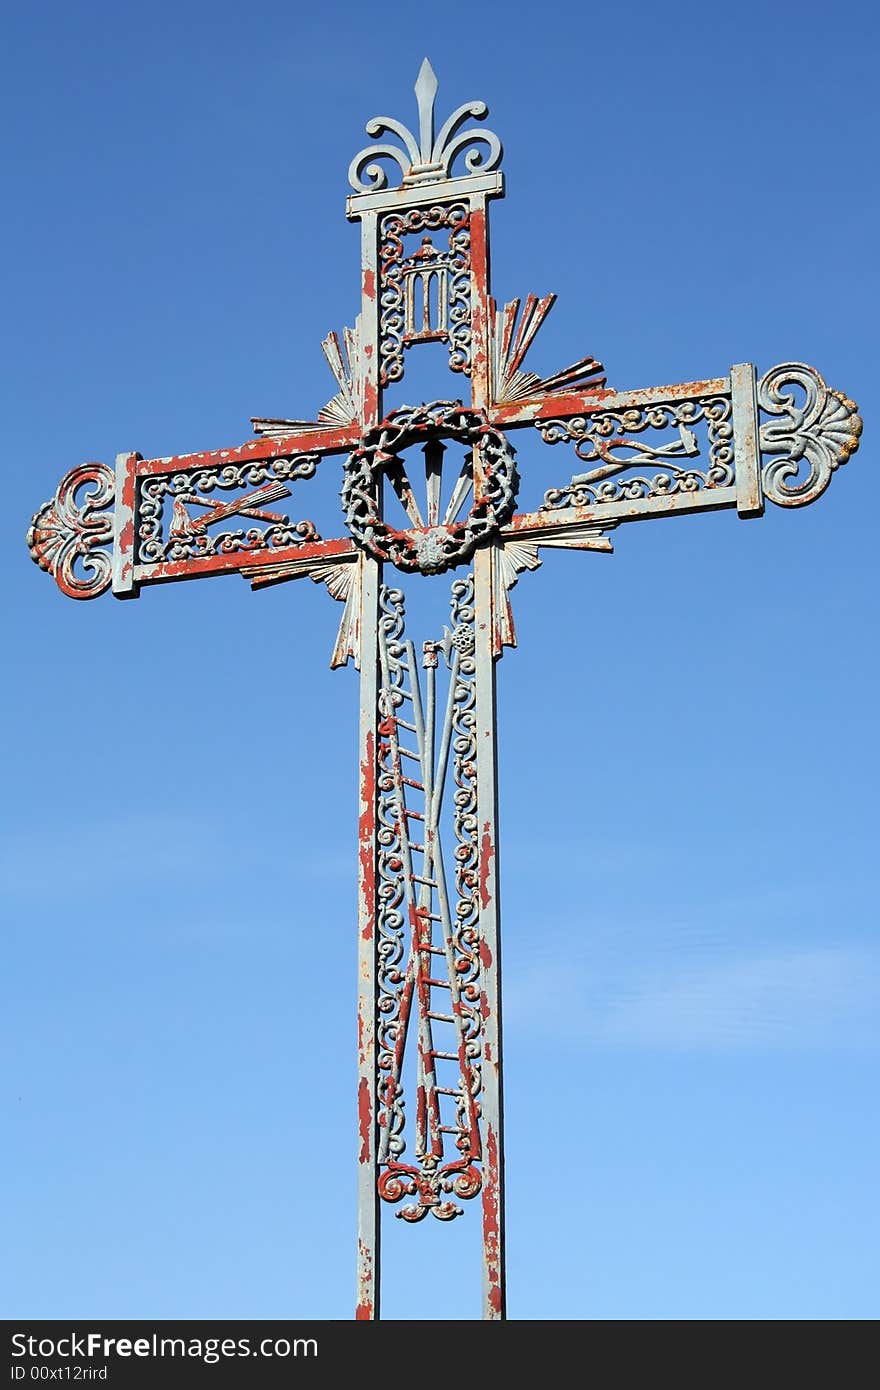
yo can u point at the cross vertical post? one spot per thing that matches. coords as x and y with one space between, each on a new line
494 1280
434 490
369 1223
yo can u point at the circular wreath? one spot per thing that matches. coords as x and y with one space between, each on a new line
429 549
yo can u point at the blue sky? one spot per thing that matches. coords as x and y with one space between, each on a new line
688 756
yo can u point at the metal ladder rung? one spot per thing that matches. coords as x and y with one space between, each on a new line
442 1018
440 984
445 1056
415 815
405 753
405 724
411 782
429 882
435 950
446 1091
451 1129
419 849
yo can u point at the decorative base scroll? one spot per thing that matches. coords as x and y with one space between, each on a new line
70 533
400 1180
818 435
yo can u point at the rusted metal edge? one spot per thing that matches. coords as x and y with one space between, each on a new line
124 523
488 185
248 562
560 519
747 457
369 1216
584 402
333 440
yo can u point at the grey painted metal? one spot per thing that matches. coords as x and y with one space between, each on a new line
369 1219
494 1282
744 410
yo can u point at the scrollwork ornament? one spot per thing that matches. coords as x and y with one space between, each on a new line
154 547
816 430
430 1184
391 948
426 159
604 439
454 218
67 536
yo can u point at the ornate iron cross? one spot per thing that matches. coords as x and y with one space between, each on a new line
434 489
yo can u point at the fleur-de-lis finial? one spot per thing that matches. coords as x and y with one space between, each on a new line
426 160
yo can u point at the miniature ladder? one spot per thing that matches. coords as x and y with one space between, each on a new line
433 970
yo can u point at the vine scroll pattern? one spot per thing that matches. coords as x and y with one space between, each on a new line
428 990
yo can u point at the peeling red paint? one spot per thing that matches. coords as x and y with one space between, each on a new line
365 836
201 566
492 1224
321 441
365 1120
487 854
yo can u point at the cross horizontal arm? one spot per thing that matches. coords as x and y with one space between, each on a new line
133 526
699 446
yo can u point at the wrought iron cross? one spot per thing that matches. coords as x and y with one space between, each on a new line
435 489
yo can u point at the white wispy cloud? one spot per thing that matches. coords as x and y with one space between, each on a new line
782 999
59 859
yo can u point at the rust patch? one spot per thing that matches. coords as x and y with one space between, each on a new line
492 1224
487 853
364 1309
365 833
365 1119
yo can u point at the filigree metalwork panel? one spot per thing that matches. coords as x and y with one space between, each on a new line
175 511
605 439
424 296
428 994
